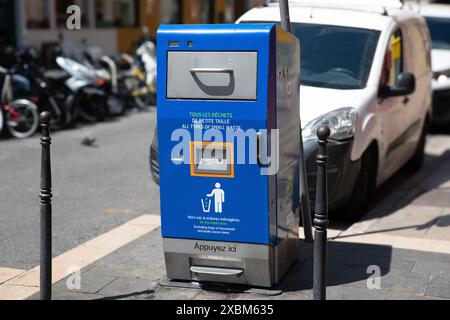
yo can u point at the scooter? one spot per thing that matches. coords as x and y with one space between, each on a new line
19 116
107 72
47 89
87 97
132 83
55 90
137 76
146 68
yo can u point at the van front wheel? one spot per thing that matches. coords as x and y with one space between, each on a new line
364 190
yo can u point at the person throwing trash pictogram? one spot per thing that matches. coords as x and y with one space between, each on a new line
219 197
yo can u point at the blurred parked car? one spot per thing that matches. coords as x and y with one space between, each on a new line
366 74
438 20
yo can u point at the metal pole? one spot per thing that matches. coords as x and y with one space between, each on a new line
321 217
46 210
285 16
19 23
304 196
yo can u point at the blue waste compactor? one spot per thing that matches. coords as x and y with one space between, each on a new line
229 149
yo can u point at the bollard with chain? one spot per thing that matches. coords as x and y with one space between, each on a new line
321 218
46 210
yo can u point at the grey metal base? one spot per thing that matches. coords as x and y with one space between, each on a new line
232 263
221 287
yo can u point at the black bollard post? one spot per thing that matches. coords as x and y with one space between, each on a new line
46 210
321 217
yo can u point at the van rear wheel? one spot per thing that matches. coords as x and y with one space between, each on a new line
364 190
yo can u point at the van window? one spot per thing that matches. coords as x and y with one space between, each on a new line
333 56
393 61
440 32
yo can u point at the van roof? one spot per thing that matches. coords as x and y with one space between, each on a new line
433 10
365 14
377 6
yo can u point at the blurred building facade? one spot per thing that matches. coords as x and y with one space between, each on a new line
113 25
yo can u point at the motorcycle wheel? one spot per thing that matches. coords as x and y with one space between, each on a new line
59 121
56 123
22 119
142 102
91 108
116 106
128 87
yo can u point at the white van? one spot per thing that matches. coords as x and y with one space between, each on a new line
366 73
438 20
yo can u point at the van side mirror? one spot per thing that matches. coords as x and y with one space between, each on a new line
406 85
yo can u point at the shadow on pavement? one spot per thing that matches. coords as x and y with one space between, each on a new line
403 188
129 295
348 263
441 222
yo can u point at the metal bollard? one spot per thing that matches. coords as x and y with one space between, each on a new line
46 210
321 218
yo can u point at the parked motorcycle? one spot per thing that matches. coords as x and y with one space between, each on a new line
87 98
137 76
19 116
69 93
146 69
48 89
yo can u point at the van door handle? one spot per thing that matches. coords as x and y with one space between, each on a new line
211 70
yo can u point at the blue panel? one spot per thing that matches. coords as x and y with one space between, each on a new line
245 214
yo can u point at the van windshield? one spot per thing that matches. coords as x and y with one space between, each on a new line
440 32
335 57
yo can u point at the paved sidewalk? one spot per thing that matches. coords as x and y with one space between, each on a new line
414 206
407 236
134 271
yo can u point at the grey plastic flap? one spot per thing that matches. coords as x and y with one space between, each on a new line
217 271
212 75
